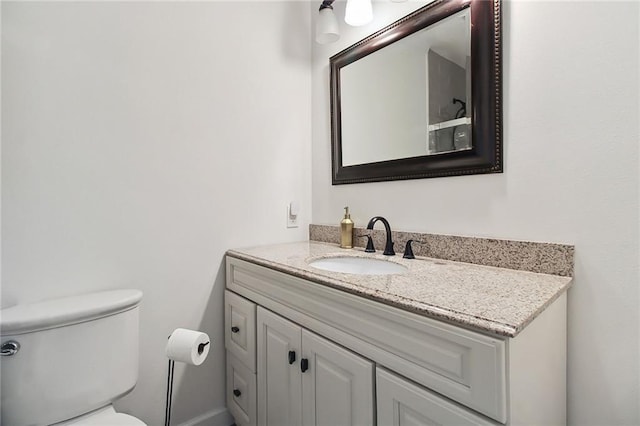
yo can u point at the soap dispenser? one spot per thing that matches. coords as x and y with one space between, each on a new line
346 230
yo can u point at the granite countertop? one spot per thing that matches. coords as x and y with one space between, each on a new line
492 300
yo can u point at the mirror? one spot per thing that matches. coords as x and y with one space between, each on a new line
420 98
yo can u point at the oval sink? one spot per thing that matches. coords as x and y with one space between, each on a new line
358 265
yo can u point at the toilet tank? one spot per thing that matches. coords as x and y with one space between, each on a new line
76 354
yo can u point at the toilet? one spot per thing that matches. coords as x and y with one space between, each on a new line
65 361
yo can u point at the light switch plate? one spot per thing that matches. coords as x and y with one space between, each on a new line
292 219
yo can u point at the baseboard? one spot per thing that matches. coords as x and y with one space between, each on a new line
217 417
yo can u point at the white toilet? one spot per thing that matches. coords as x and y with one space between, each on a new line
64 361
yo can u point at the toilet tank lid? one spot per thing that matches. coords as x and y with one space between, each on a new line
64 311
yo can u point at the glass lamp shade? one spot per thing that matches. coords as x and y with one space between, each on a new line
327 26
358 12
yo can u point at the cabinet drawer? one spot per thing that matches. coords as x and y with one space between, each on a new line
402 403
240 329
241 392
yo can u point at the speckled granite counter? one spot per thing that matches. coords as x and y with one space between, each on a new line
489 299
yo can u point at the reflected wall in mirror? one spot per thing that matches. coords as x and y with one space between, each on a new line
420 98
423 79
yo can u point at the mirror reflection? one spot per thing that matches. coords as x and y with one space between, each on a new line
412 98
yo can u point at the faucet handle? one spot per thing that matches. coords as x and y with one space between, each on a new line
370 248
408 251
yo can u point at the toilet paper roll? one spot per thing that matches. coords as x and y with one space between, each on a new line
188 346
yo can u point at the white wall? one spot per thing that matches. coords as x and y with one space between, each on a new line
140 141
571 175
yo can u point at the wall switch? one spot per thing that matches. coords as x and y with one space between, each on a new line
293 211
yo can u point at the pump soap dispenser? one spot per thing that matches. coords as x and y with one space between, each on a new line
346 230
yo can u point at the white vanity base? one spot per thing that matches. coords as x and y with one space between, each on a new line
367 360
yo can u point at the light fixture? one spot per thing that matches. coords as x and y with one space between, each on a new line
358 12
327 25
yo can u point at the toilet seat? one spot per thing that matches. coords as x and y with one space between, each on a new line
106 416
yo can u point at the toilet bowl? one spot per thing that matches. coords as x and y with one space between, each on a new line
106 416
69 359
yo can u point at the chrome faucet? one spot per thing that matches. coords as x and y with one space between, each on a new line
388 248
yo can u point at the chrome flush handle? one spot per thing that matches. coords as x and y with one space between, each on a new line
9 348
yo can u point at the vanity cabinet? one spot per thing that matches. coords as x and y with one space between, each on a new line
367 362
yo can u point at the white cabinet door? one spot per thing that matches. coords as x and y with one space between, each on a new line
401 403
337 385
279 381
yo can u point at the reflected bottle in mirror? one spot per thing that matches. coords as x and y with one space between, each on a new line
461 139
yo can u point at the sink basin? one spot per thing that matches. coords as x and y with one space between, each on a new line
358 265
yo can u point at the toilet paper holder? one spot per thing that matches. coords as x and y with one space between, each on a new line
200 349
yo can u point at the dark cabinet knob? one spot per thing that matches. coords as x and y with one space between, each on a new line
304 364
237 392
292 357
234 329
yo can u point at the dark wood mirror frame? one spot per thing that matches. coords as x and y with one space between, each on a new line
486 95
